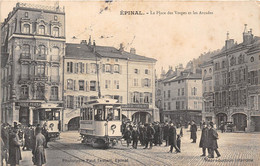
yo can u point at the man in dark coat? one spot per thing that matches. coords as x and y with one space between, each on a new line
204 139
149 136
135 137
14 148
27 138
45 133
142 134
166 133
156 134
128 136
172 138
39 157
212 141
193 130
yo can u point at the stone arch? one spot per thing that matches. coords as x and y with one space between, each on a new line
73 123
142 116
240 121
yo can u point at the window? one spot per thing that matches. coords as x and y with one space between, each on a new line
205 72
40 92
70 84
76 68
223 64
146 71
92 85
70 101
210 70
24 92
169 106
252 59
54 93
81 85
69 67
194 91
42 50
252 102
26 28
42 30
55 32
26 51
108 68
107 84
81 67
146 82
116 68
40 70
169 93
80 101
25 71
116 84
146 97
55 18
93 68
179 92
182 91
136 97
135 82
177 105
164 94
182 104
26 14
195 105
164 106
136 71
55 54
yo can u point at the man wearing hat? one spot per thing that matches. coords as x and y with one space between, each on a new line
193 130
212 141
204 139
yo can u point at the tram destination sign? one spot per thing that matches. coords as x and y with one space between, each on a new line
146 106
28 104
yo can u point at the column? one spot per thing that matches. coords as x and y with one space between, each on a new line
30 116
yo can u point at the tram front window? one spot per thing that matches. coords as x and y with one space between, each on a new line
113 114
99 115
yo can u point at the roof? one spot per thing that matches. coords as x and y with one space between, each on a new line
83 51
186 76
79 51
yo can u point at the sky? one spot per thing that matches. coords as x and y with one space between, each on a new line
172 38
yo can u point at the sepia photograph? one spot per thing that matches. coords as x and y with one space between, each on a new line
130 82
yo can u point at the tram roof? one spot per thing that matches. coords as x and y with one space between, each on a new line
103 101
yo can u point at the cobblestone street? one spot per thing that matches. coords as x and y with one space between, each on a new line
235 148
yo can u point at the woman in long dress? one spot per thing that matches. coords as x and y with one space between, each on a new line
39 151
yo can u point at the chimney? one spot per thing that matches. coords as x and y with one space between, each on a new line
94 46
83 42
89 40
121 49
229 42
132 51
247 36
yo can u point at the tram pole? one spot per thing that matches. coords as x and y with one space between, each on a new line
97 67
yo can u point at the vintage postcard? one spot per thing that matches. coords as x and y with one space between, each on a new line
110 82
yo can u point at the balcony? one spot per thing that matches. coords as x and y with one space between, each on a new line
41 57
25 56
55 79
39 78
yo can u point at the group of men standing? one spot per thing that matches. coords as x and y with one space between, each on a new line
12 141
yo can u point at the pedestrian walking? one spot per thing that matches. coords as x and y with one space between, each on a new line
39 157
212 141
179 142
204 139
222 127
193 130
149 136
135 137
166 133
14 148
128 136
45 133
172 138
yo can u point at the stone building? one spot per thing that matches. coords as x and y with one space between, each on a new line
121 75
236 84
33 43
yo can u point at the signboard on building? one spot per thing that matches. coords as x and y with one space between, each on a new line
28 104
145 106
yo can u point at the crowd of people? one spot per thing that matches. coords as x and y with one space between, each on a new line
29 138
156 133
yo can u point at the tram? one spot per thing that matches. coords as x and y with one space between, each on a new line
100 122
48 116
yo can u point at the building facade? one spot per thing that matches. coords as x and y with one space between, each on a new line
236 85
33 40
120 75
182 97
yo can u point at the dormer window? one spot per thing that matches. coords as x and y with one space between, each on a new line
26 14
41 29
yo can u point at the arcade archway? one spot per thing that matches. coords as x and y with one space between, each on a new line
221 117
74 123
240 121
